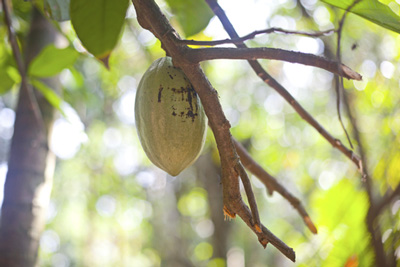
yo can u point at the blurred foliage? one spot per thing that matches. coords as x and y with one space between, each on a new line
58 9
193 16
111 207
51 61
372 10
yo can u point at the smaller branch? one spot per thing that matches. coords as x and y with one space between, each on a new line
386 199
202 54
21 66
272 184
339 81
250 196
265 236
253 35
13 40
282 247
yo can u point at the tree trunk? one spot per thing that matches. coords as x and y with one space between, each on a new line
30 166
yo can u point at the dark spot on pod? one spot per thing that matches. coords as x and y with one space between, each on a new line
171 76
159 93
173 113
189 99
191 115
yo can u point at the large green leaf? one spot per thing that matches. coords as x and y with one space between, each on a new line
49 94
192 15
98 24
372 10
7 81
59 9
9 75
51 61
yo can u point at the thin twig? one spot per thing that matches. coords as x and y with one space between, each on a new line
252 35
281 90
386 199
266 237
272 184
339 81
250 196
202 54
13 40
21 66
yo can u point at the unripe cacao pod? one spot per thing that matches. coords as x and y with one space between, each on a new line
170 119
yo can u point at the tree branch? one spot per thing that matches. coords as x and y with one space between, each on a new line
272 184
386 199
250 196
240 40
339 81
281 90
202 54
150 17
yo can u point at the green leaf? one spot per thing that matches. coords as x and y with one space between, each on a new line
192 15
9 74
59 9
52 60
372 10
98 24
49 94
6 79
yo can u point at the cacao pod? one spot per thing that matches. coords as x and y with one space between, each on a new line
170 119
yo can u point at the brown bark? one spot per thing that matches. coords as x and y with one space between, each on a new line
31 164
204 54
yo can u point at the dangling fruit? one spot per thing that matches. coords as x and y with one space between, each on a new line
170 119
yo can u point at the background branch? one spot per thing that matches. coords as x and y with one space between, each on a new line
374 229
240 40
386 199
281 90
339 81
21 65
203 54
